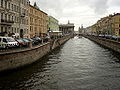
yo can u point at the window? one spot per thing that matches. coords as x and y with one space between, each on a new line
17 30
1 3
4 40
8 5
30 29
12 30
6 17
5 4
15 8
2 16
1 29
15 19
12 18
9 17
12 7
26 31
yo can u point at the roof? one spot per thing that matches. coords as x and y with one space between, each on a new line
38 9
53 18
67 25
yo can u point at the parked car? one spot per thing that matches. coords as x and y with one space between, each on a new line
101 35
21 43
116 37
30 40
36 40
108 36
7 42
45 39
24 42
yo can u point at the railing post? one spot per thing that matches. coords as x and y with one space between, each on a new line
30 45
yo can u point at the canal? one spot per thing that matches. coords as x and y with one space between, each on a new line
79 64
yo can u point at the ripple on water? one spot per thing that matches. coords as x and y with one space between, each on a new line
79 64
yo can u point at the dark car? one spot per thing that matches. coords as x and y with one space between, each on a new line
46 39
27 41
36 40
23 42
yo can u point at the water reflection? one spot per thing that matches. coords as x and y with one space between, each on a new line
79 64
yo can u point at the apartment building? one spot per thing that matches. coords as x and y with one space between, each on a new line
53 24
109 25
115 22
14 17
38 21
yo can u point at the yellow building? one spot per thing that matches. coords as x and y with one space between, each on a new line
109 25
116 24
38 21
93 29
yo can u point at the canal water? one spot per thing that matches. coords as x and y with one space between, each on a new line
79 64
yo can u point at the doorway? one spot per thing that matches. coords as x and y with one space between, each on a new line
21 33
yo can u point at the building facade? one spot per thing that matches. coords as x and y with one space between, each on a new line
107 26
81 30
115 22
38 21
53 24
14 17
67 29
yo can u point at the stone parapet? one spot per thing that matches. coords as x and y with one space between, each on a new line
111 44
13 59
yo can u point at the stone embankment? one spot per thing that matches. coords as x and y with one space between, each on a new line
18 58
111 44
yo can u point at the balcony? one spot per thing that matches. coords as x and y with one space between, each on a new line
6 22
6 10
22 14
8 0
1 8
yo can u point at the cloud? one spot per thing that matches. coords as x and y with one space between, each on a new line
78 11
100 6
114 3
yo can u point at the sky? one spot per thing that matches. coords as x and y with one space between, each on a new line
79 12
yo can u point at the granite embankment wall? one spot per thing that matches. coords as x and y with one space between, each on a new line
111 44
11 60
18 58
57 42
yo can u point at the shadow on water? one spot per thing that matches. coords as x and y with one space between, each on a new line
117 55
18 79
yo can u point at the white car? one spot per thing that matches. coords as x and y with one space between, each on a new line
6 42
